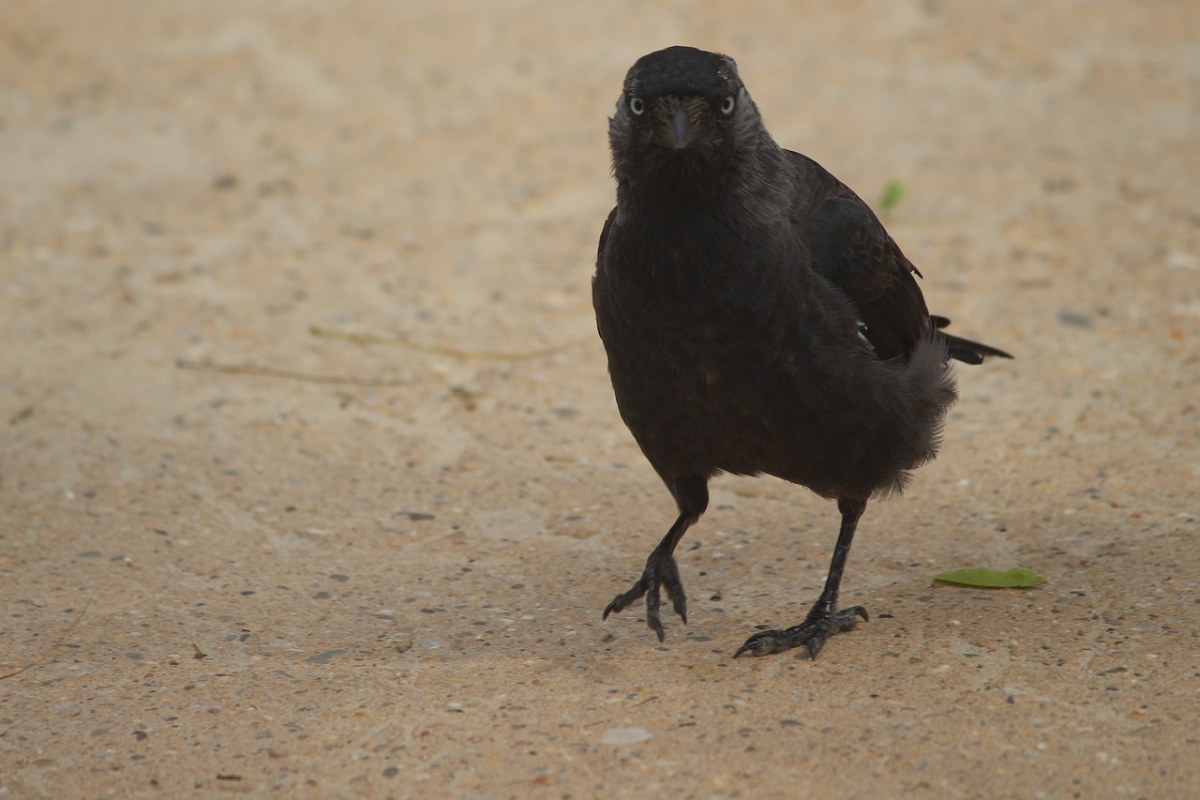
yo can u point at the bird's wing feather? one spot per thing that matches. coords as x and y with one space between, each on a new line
849 247
602 314
604 236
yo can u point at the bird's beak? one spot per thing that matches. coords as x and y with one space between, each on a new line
681 129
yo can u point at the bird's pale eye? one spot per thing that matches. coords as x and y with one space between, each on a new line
637 106
727 105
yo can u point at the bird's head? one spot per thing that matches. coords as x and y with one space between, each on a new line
682 112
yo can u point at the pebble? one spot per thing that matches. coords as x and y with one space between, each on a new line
625 736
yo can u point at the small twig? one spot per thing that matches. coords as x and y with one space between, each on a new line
446 350
41 655
289 374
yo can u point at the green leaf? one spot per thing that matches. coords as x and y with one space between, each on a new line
893 193
1016 578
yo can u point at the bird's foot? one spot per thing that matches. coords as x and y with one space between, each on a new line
812 633
660 572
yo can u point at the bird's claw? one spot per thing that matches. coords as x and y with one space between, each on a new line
812 633
660 571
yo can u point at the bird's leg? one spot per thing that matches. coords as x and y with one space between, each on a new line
824 620
691 495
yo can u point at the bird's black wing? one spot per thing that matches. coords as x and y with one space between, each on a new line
603 313
604 236
850 248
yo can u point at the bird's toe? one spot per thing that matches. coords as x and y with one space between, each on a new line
660 573
812 633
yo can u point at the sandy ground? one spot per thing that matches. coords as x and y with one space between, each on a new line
312 484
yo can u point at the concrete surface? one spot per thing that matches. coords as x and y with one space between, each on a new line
311 482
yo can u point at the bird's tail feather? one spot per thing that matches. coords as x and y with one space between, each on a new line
964 350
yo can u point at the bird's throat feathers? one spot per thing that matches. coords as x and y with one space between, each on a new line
684 182
683 193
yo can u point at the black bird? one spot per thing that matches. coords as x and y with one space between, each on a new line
758 319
